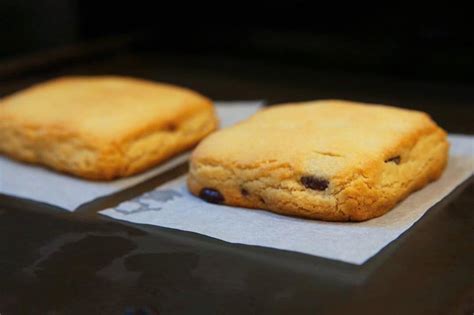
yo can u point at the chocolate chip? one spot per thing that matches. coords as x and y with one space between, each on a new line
395 159
244 192
211 195
262 200
170 127
313 182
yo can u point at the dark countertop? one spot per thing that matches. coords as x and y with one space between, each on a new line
54 262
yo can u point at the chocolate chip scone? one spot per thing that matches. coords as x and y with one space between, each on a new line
102 127
329 160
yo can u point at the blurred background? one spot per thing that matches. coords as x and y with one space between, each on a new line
279 51
386 41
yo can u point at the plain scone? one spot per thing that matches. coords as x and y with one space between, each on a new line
102 127
330 160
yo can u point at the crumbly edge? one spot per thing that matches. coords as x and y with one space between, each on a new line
354 195
91 157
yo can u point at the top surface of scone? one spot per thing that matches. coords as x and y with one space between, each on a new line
320 159
107 107
102 127
315 138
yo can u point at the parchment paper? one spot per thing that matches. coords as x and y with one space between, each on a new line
172 206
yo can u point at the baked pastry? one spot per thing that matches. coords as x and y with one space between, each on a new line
102 127
330 160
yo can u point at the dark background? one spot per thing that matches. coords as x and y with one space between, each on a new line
398 42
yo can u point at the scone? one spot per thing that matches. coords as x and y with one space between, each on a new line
330 160
102 127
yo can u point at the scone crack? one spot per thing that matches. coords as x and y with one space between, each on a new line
395 159
327 153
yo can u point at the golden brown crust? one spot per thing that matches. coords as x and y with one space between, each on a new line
371 157
102 127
